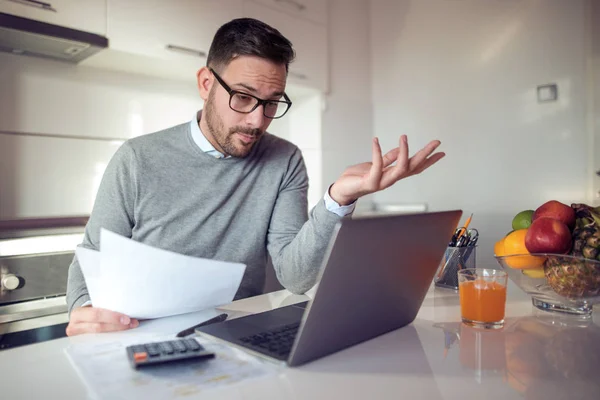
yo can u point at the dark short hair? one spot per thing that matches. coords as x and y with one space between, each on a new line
248 37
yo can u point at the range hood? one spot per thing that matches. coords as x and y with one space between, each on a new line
30 37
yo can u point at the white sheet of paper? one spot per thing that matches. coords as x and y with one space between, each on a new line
142 281
89 261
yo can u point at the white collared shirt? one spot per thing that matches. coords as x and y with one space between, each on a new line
202 142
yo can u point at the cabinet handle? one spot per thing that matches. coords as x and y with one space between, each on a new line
298 75
36 4
299 6
186 50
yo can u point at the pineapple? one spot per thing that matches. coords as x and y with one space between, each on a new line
577 277
586 235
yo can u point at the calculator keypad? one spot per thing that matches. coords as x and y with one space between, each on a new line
178 346
192 344
166 348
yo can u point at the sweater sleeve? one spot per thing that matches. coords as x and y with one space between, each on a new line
296 240
113 210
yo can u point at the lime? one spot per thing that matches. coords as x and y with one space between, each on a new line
522 220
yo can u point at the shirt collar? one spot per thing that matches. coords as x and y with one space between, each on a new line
201 140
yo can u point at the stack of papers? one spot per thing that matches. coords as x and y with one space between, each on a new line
145 282
107 374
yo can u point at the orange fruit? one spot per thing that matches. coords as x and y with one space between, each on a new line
514 243
499 248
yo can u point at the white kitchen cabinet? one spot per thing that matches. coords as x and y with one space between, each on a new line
312 10
84 15
309 40
179 30
50 176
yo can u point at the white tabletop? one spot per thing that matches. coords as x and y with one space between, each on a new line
537 355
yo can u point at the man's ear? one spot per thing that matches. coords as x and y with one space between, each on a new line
205 81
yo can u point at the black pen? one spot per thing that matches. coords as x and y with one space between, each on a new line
190 330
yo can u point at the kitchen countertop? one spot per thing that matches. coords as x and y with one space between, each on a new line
537 355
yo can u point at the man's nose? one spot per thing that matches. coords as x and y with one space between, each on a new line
256 118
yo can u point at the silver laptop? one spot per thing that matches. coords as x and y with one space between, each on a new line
375 276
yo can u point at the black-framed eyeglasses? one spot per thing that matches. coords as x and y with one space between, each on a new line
245 103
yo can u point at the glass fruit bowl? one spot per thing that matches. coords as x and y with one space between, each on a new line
556 282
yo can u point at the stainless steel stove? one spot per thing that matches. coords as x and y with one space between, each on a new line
34 261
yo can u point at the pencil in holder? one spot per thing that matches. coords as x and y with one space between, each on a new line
455 259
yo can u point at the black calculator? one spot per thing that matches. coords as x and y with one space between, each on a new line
141 355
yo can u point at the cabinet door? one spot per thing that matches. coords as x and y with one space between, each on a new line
312 10
177 30
49 176
309 40
84 15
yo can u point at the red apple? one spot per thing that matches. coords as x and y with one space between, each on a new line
557 210
548 235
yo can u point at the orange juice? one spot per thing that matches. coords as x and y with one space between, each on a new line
482 301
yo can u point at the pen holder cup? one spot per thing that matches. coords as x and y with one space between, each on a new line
455 259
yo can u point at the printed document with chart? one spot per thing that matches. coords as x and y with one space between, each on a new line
143 282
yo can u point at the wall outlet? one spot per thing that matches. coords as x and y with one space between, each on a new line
546 93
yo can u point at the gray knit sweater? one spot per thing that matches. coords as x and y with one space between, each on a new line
162 190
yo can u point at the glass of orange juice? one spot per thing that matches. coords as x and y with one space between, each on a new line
482 294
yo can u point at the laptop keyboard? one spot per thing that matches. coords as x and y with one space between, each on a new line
278 341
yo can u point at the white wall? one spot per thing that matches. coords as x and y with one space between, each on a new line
302 126
348 117
594 95
466 72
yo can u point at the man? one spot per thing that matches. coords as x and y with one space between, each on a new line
221 187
